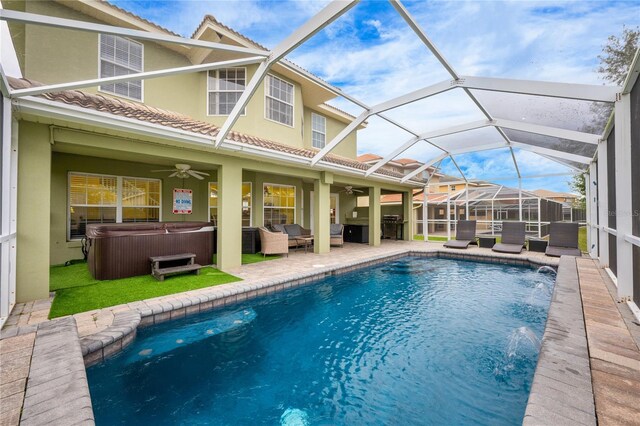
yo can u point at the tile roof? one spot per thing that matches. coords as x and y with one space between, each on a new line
368 157
170 119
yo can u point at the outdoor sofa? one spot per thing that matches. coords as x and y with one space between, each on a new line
293 232
563 240
121 250
465 235
513 238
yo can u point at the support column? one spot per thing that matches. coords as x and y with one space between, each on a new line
321 212
603 205
407 212
375 216
520 199
592 202
624 222
539 218
425 215
449 216
34 211
229 218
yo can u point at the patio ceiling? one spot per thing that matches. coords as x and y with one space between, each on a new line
556 121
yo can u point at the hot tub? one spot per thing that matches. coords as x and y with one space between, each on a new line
120 250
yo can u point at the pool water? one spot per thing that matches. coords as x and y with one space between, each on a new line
416 341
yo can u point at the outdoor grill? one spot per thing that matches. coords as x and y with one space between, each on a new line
392 226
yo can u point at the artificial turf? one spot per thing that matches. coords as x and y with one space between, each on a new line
77 291
254 258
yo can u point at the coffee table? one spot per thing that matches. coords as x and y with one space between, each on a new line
306 242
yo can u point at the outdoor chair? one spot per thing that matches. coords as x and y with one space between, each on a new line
273 242
563 240
465 235
513 238
336 232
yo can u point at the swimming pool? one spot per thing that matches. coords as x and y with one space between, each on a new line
412 341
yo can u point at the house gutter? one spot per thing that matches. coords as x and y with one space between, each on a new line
57 110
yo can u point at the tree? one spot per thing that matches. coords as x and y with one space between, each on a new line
578 184
617 55
615 61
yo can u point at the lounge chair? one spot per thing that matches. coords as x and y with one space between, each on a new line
513 237
336 232
273 242
465 235
563 240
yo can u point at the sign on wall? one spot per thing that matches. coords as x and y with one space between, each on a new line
182 201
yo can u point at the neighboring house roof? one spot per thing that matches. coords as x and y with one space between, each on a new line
365 158
169 119
406 161
545 193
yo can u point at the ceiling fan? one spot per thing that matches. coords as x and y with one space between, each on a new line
183 171
350 190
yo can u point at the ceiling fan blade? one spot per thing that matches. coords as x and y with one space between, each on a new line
357 190
195 175
157 171
174 174
198 172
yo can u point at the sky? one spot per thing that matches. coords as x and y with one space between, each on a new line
371 54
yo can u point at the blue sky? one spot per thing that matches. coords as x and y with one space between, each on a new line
371 54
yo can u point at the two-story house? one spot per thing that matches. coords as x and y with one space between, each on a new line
117 152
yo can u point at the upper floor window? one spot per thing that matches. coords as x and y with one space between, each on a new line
121 56
318 130
224 88
279 100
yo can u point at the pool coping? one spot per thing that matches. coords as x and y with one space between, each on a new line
96 347
562 389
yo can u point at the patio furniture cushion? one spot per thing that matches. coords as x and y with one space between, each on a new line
279 228
335 229
296 230
562 251
460 244
508 248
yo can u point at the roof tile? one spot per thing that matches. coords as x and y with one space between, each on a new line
142 112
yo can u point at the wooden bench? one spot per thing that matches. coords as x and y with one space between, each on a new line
158 270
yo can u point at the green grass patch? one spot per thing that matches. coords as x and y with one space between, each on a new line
248 259
76 291
582 239
431 238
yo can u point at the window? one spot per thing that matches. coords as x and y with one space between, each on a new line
279 204
110 199
140 200
279 100
318 130
224 89
246 203
121 56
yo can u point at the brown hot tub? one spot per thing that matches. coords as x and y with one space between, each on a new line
120 250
